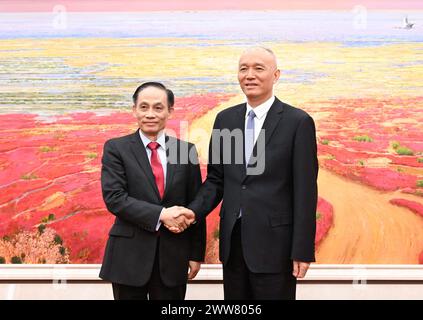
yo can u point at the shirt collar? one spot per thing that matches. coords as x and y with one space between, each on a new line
161 139
262 109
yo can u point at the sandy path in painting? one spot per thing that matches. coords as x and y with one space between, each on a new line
367 228
199 133
200 129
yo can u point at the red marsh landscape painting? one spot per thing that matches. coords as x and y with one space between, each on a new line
67 73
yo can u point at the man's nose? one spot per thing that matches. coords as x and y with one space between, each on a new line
250 74
150 113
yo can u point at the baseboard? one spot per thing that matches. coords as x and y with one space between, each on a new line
213 272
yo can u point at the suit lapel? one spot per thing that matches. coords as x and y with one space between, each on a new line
170 167
240 123
273 117
140 154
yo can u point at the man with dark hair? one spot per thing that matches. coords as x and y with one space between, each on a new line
169 94
144 187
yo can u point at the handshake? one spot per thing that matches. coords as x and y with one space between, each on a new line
177 219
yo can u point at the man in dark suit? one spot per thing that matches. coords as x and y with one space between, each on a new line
268 214
145 177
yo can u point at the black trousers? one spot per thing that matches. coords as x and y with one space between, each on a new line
239 283
153 290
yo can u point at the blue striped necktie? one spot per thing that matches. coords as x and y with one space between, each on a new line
249 137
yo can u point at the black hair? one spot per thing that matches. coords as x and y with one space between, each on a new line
169 93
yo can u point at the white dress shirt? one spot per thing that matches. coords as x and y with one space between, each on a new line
161 151
261 112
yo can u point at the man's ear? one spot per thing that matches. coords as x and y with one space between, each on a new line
171 109
277 75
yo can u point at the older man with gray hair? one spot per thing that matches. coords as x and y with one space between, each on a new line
268 216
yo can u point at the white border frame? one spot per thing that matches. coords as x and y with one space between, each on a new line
213 272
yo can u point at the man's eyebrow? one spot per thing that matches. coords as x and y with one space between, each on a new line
154 104
254 64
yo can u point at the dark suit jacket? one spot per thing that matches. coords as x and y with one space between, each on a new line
279 205
131 194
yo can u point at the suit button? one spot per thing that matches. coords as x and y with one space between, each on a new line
244 187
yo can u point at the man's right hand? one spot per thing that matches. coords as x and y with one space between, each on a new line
177 219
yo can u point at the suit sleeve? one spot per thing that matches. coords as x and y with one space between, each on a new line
198 232
211 191
305 170
115 192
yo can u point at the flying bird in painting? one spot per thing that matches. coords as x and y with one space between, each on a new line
407 25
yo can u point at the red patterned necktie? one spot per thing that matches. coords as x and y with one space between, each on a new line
156 166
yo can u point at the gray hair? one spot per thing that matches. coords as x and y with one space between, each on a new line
268 50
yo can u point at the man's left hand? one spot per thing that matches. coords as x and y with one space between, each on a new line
300 269
194 267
